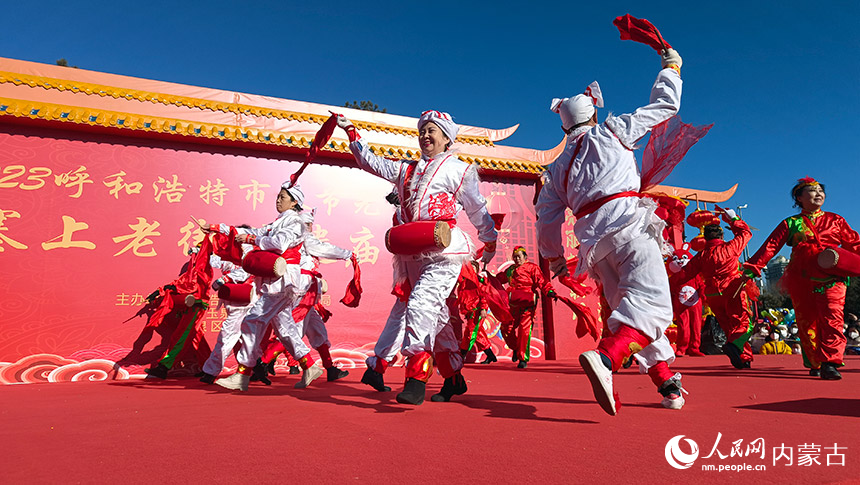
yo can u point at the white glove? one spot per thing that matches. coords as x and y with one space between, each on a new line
217 284
669 57
489 252
348 127
730 214
558 267
344 123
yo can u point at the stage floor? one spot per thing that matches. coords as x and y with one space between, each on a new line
539 425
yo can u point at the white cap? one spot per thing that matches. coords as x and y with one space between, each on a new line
579 108
295 191
443 120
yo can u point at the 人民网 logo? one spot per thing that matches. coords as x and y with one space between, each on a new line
677 458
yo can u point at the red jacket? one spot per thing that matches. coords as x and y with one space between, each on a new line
832 230
718 262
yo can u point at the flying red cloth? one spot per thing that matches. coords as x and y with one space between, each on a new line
225 246
198 275
353 289
194 281
586 321
320 139
667 145
640 30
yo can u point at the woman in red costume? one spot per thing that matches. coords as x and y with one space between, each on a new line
825 251
524 280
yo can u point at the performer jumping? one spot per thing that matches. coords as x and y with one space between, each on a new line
432 189
728 293
597 178
824 253
278 294
525 280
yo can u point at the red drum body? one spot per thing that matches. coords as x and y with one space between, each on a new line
418 237
264 263
238 294
521 298
839 262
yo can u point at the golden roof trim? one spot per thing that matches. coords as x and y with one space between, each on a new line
116 119
115 92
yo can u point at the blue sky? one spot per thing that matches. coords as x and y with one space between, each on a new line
779 80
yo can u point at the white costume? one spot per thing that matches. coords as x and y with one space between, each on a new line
619 240
312 325
437 190
232 325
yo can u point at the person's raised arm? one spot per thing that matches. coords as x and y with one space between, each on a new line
664 103
367 161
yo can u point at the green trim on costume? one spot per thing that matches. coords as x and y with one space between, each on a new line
474 337
744 338
528 354
170 358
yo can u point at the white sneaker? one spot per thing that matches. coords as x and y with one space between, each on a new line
236 382
601 380
309 374
673 393
673 401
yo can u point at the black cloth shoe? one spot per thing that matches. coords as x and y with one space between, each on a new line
734 356
829 372
207 378
814 372
294 370
522 365
270 367
158 372
259 374
514 357
491 357
454 386
375 380
413 392
333 374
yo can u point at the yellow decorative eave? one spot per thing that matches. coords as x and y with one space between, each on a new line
135 122
115 92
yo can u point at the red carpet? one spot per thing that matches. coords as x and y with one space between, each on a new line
540 425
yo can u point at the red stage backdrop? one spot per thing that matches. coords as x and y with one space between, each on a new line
90 225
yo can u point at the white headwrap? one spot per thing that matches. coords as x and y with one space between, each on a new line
579 108
442 120
295 191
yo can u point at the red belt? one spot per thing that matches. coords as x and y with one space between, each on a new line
597 204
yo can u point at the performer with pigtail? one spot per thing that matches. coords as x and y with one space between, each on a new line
432 190
728 293
525 280
825 252
620 236
278 294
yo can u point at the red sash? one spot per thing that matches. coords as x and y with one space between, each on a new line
597 204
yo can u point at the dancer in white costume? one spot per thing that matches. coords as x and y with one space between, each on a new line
434 188
310 287
597 178
278 295
231 327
